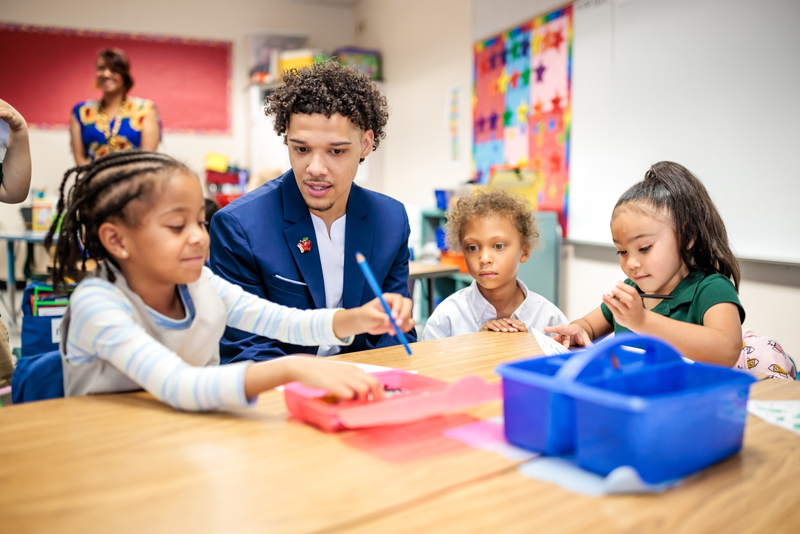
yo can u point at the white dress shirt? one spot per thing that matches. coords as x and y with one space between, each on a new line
465 312
331 256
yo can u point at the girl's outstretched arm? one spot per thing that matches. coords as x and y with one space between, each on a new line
581 332
718 340
17 165
102 327
344 381
372 319
250 313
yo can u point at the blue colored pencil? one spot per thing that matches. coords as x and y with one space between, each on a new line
362 262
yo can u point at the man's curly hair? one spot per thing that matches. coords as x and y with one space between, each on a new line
484 202
329 88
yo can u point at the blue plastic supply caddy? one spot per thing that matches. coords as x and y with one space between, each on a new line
628 401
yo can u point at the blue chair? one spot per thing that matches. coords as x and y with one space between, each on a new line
39 377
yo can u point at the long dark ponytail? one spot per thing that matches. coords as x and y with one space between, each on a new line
101 190
702 239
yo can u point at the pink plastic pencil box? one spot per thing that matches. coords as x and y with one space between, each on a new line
412 397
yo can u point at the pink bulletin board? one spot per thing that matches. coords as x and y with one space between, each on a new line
47 70
521 105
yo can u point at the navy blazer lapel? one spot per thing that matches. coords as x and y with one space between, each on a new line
358 237
308 263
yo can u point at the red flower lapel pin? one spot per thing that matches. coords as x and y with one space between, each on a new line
304 245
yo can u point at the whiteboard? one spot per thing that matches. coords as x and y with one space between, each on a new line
711 84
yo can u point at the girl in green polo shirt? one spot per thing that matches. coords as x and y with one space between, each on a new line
670 240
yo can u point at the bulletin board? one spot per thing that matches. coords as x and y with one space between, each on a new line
521 106
47 70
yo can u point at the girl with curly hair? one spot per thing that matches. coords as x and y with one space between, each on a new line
496 231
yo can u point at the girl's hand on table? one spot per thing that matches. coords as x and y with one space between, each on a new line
570 335
344 381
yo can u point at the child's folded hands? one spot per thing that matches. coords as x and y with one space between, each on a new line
504 325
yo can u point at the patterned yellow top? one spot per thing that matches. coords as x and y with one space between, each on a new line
102 134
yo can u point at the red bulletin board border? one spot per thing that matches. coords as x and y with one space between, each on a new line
29 65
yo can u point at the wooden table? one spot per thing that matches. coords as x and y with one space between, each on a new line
127 463
756 491
429 271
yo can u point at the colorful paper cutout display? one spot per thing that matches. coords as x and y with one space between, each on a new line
522 105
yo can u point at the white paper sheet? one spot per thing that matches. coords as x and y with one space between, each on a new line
785 414
549 345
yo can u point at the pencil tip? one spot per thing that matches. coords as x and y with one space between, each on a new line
359 257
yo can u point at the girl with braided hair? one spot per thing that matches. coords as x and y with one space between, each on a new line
151 314
670 241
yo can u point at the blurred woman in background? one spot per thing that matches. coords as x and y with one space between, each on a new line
117 121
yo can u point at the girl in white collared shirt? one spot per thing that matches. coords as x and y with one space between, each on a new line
496 231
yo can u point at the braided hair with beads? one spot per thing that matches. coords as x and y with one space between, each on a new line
102 190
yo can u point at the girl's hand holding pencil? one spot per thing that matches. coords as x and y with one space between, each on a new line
627 306
372 319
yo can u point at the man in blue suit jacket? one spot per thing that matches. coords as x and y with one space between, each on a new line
293 241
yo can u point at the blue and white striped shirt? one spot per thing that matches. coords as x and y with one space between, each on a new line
102 326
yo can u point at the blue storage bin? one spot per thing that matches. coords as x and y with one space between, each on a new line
630 401
441 238
442 198
550 428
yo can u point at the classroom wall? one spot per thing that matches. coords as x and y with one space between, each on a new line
327 25
427 49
